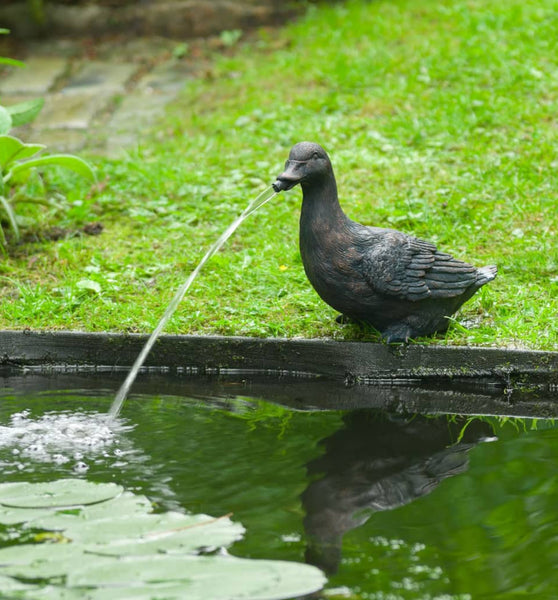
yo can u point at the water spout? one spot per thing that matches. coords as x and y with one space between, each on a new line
259 201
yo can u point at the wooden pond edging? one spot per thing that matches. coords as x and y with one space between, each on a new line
306 374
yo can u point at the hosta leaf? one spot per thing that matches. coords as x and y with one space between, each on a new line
11 62
5 121
12 148
74 163
7 208
24 112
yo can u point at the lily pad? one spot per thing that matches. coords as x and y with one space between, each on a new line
12 516
203 577
63 492
125 505
151 534
112 547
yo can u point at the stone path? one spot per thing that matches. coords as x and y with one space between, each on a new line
100 97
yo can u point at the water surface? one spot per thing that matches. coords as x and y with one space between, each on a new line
390 506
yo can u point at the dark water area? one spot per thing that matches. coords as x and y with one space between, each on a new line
391 506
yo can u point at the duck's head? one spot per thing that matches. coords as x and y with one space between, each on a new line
307 162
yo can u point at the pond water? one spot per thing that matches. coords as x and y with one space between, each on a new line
391 506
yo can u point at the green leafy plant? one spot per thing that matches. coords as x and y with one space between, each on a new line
18 160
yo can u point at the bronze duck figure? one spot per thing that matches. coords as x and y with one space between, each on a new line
400 285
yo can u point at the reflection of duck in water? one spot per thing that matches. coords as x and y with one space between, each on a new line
377 462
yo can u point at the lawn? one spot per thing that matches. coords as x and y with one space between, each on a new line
441 120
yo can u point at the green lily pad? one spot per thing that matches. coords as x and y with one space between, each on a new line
12 516
124 505
39 561
151 534
64 492
111 547
203 577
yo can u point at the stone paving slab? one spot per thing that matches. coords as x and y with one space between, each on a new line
167 76
138 112
104 77
36 78
73 111
61 140
99 96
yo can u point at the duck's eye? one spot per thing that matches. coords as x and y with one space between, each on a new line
315 155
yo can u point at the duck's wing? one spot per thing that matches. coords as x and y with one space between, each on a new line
412 269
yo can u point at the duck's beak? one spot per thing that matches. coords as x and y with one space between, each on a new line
293 174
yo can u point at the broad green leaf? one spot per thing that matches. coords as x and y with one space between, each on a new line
203 577
11 516
126 505
67 161
5 121
7 584
63 492
39 561
25 112
153 533
12 62
6 206
12 148
3 30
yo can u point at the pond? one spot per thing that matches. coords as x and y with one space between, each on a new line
390 505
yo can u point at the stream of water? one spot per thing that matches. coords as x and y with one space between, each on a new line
259 201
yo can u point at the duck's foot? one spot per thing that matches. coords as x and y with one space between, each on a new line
344 320
397 333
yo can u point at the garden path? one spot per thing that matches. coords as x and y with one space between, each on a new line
99 95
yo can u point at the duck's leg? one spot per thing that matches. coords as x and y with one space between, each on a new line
400 332
344 319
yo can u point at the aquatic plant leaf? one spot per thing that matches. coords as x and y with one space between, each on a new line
151 534
74 163
12 516
106 542
24 112
202 577
63 492
37 561
5 121
12 148
12 588
126 504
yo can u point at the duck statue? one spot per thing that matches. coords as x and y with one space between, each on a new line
402 286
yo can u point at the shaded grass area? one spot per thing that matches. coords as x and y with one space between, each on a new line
440 119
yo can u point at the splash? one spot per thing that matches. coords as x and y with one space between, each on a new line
61 438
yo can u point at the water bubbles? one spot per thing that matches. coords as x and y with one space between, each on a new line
81 467
59 438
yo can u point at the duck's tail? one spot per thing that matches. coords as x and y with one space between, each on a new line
486 274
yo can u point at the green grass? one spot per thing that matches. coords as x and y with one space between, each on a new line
441 119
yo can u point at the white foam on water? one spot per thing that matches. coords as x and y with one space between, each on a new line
61 438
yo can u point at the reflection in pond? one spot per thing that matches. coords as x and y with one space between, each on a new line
378 462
